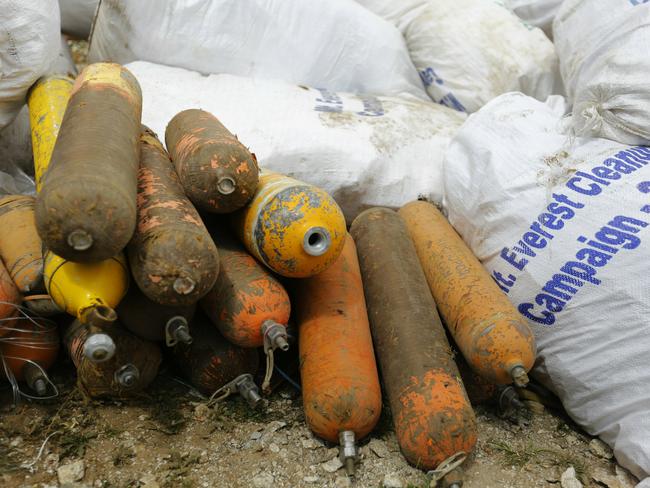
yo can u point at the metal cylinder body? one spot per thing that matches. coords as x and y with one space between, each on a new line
492 336
217 171
294 228
133 367
340 384
431 412
148 319
211 362
245 296
172 256
86 208
9 299
47 101
21 248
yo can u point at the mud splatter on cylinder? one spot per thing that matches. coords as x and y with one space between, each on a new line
217 172
173 258
431 412
86 209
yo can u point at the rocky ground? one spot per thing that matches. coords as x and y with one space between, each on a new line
170 437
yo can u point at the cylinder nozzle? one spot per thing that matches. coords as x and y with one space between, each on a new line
226 185
99 347
317 241
127 376
177 330
519 376
348 452
184 285
275 335
80 240
36 378
248 390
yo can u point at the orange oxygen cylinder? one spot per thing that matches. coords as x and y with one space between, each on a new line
9 300
494 338
130 370
29 350
433 418
21 248
340 385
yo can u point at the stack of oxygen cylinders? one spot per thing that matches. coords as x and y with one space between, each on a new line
196 250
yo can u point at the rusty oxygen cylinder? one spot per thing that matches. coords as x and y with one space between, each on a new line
27 351
215 366
217 172
173 259
9 299
493 337
294 228
340 385
90 292
130 370
86 208
21 248
153 322
433 419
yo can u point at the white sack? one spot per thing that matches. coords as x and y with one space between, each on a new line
563 225
539 13
77 17
29 42
470 51
336 44
603 50
363 150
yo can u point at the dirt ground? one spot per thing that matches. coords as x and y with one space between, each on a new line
169 437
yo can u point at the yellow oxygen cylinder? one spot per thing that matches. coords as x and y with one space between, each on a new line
294 228
47 101
90 292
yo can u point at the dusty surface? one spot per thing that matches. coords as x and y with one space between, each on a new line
170 438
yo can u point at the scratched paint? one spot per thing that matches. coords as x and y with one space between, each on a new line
170 241
340 384
432 415
205 155
492 336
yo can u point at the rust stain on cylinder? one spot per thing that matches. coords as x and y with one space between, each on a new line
86 210
173 258
217 171
431 412
489 331
340 384
21 248
245 295
211 361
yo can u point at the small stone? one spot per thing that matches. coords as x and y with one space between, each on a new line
274 426
342 482
392 480
624 477
255 435
571 439
201 412
310 444
263 480
149 481
569 480
69 473
599 449
311 479
379 447
142 417
16 441
273 447
333 465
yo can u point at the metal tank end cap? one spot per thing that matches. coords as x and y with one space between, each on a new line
184 285
317 241
99 348
348 452
127 376
226 185
80 240
519 376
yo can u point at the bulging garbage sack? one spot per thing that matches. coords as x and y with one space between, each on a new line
364 150
29 43
563 225
604 64
336 44
77 16
538 13
470 51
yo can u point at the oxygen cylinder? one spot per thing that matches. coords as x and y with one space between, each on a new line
153 322
9 299
86 208
217 172
20 246
215 366
90 292
247 299
493 337
433 419
29 349
340 385
47 101
172 257
133 367
294 228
